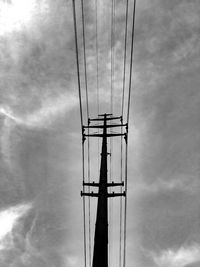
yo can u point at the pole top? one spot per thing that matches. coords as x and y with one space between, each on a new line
105 115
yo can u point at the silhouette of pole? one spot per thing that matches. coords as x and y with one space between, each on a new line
100 255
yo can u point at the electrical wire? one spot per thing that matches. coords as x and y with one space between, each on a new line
97 54
131 61
87 109
89 206
122 114
128 113
125 52
84 53
112 53
125 204
84 206
81 118
98 108
112 73
97 72
77 61
120 205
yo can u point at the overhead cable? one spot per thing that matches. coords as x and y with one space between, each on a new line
111 111
84 206
77 61
97 55
112 54
128 112
125 204
120 207
125 52
131 61
122 114
85 61
87 109
81 117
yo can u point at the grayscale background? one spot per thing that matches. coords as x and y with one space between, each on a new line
40 139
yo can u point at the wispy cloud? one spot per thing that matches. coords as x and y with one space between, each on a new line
72 260
178 258
41 118
182 183
12 220
44 116
9 218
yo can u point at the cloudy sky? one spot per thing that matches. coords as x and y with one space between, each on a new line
40 141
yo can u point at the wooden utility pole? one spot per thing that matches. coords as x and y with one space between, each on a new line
100 252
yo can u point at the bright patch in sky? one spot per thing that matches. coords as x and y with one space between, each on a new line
179 258
51 109
17 14
9 218
14 14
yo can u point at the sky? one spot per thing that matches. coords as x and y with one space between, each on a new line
40 139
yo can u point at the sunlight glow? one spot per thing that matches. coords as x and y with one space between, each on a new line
9 217
15 14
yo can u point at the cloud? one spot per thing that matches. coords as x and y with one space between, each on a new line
182 183
17 247
72 260
41 118
167 38
16 15
178 258
9 218
50 110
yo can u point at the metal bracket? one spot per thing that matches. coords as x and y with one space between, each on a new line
107 135
108 184
92 194
113 194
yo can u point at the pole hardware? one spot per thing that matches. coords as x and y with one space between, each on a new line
108 195
108 184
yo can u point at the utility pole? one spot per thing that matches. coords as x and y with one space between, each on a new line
100 252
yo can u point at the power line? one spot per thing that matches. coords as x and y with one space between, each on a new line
84 206
128 112
98 108
125 52
97 69
111 111
112 53
122 114
125 205
87 108
84 52
131 61
89 208
97 55
81 117
77 61
120 211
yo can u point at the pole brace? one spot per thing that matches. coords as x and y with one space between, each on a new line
108 184
92 194
107 126
113 194
107 135
83 135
